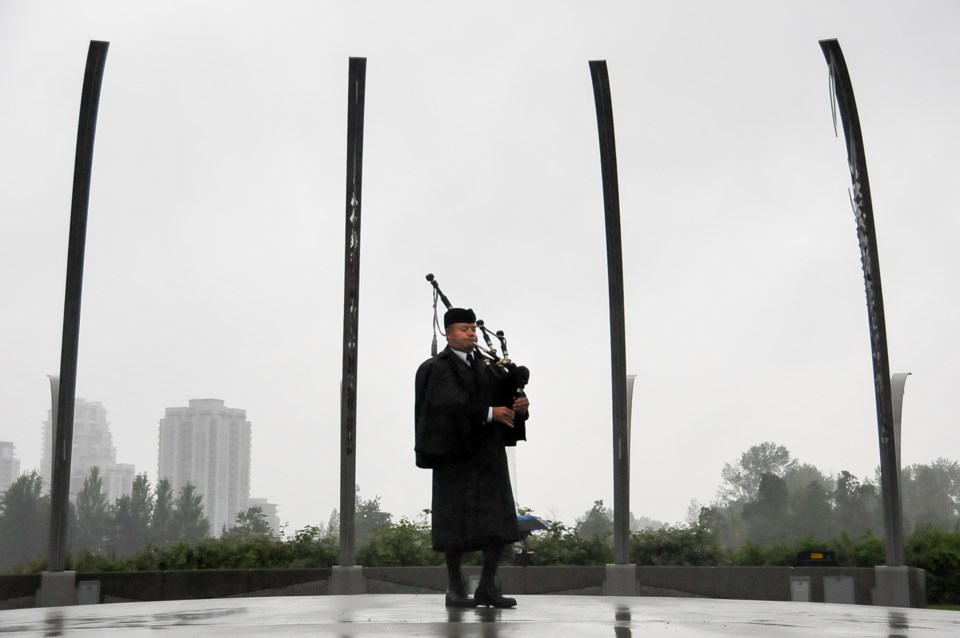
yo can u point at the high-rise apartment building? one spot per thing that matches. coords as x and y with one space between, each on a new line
9 465
208 444
92 446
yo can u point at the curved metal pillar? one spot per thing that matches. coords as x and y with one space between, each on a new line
618 365
82 172
351 311
842 91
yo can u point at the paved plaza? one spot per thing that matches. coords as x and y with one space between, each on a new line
425 615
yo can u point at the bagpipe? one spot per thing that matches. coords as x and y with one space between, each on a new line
507 378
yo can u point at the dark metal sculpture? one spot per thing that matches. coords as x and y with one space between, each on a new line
842 90
63 433
611 208
351 307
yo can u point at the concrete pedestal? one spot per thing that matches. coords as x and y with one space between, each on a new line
620 580
57 589
346 580
893 586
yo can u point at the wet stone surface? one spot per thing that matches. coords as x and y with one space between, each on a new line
425 615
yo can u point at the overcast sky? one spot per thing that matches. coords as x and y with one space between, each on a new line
214 259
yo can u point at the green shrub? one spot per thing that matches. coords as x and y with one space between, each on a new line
938 553
249 552
92 561
868 551
782 554
405 544
561 545
678 545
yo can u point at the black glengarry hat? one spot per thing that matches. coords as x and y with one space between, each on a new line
458 315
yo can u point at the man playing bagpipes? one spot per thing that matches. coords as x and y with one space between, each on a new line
462 429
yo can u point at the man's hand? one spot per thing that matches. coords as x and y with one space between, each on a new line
505 415
521 404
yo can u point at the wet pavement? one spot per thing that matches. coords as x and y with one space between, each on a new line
425 615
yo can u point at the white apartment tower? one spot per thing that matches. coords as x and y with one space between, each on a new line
9 465
208 444
92 446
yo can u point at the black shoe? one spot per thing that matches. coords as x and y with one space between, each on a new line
491 597
459 599
457 594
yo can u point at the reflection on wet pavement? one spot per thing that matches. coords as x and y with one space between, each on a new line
425 615
54 624
621 628
898 624
479 621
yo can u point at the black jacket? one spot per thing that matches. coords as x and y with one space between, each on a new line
449 405
472 497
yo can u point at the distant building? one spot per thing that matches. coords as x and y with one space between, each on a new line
208 444
92 447
269 510
120 481
9 465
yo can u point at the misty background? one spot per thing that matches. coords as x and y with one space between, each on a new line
214 257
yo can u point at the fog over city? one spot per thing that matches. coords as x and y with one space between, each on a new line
214 254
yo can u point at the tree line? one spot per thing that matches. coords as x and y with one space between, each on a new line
96 527
768 496
769 507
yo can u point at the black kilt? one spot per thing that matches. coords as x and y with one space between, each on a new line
473 500
472 497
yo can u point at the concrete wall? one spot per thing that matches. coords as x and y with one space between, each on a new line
747 583
214 583
19 591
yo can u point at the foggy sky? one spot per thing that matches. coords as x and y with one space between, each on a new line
214 258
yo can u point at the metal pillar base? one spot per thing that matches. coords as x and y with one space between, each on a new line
57 589
620 580
893 586
346 580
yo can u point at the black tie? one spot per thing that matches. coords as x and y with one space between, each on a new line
472 362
